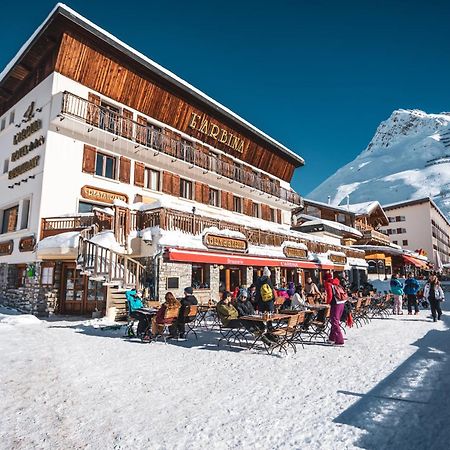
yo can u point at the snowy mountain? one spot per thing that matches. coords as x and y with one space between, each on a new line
408 158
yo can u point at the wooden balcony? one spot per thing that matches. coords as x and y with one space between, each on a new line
157 141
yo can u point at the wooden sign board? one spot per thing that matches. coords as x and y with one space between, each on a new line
26 244
101 195
224 243
338 259
295 252
6 248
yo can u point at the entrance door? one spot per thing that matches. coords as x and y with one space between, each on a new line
79 295
72 290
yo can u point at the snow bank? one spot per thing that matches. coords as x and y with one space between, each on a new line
19 319
64 244
106 239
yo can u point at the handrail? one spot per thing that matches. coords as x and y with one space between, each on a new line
156 140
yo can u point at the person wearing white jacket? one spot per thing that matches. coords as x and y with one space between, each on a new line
434 294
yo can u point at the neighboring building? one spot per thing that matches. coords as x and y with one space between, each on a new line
116 173
419 225
337 224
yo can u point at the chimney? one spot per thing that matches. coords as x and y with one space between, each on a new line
348 201
329 199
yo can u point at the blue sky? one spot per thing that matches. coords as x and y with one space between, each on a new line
316 75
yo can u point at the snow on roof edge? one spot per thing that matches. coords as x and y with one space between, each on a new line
149 61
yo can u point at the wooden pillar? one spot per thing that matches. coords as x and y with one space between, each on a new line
228 279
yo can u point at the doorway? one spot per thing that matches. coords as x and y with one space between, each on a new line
80 295
231 277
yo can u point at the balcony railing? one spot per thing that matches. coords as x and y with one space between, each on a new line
155 140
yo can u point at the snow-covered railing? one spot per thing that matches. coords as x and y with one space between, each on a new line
153 139
171 220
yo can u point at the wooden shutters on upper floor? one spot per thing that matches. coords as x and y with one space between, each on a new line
124 169
89 154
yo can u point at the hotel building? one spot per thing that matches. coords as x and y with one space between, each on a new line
117 173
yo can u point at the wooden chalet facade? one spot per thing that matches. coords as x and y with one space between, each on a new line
125 175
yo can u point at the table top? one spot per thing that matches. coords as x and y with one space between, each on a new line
319 306
258 318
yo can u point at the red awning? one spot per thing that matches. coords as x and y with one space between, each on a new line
415 262
241 260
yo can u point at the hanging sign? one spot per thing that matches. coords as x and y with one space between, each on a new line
295 252
26 244
100 195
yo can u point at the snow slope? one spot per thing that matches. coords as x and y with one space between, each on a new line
408 158
66 384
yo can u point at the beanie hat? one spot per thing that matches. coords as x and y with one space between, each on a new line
291 288
189 290
243 292
266 272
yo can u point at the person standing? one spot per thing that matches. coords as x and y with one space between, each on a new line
265 293
434 294
336 297
411 288
397 292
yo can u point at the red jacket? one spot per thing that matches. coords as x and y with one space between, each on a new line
328 289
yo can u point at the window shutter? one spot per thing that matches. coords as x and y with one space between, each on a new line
198 192
127 124
224 199
89 159
279 215
205 194
248 207
176 185
139 174
265 212
230 201
167 183
124 169
141 130
93 110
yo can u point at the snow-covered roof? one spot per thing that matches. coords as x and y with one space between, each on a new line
390 250
107 239
342 208
364 207
63 244
61 8
331 224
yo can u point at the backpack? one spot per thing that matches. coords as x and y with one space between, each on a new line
346 312
339 293
266 293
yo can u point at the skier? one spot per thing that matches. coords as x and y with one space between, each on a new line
411 288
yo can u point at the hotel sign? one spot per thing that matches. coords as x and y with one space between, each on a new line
27 132
338 259
26 244
100 195
295 252
6 248
211 129
224 243
24 167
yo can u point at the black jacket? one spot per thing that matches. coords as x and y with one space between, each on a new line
188 300
259 282
245 308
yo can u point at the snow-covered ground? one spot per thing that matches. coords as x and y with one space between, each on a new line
67 384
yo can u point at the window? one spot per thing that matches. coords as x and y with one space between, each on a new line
214 197
21 275
401 230
213 157
5 165
200 276
105 166
341 218
391 231
187 151
47 275
256 210
395 242
109 118
405 242
400 218
9 222
153 136
313 211
85 207
237 204
25 214
391 219
95 291
151 179
3 125
186 189
11 117
273 215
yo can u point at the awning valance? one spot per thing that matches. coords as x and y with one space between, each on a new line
415 262
242 260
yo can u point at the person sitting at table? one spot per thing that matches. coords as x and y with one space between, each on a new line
252 296
136 311
227 313
311 289
189 299
245 308
159 321
298 300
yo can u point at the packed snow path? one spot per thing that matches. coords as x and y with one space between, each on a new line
68 385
